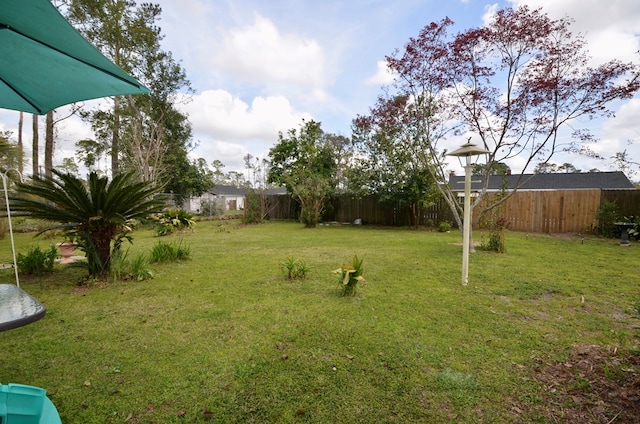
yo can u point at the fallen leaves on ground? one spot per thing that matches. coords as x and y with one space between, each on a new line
595 384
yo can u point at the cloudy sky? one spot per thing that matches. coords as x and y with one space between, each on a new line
259 67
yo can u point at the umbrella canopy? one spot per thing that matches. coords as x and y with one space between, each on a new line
45 63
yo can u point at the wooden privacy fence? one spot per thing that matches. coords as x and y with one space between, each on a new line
564 211
368 209
371 211
557 211
628 201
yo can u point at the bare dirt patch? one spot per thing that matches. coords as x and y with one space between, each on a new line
595 385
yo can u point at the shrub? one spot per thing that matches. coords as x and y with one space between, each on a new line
350 275
211 207
607 216
634 232
444 227
169 252
253 211
37 261
171 220
496 237
294 268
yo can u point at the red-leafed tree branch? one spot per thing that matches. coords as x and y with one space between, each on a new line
511 86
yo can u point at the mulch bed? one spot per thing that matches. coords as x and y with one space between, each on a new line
595 385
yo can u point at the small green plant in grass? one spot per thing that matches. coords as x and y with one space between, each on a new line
294 268
350 275
444 227
37 261
171 220
168 252
495 242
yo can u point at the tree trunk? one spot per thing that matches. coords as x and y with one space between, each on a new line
48 146
98 250
34 150
115 140
20 145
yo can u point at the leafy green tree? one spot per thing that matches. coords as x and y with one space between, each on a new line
142 133
568 168
236 179
157 139
545 168
194 179
95 213
391 158
89 152
495 168
69 166
217 175
125 33
304 161
145 134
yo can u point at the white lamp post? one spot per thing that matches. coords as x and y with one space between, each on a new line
467 150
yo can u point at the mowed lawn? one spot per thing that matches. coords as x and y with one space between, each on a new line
225 337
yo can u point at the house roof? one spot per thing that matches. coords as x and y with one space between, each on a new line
228 190
530 182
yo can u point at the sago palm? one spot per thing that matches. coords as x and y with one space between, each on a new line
95 211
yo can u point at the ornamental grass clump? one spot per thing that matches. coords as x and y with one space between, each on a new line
350 275
169 252
37 261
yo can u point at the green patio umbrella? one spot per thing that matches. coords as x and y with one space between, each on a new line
45 63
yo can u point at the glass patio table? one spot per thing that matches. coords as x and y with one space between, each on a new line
17 307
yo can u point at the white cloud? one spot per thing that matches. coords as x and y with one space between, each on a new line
227 128
260 51
489 12
382 76
610 27
621 133
218 115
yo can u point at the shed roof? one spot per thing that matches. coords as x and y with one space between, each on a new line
531 182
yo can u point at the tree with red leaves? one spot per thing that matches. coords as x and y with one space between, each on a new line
511 86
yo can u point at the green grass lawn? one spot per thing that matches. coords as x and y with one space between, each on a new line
226 333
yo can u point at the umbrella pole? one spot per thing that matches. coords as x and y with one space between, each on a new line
6 199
